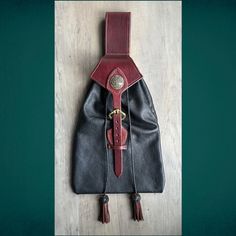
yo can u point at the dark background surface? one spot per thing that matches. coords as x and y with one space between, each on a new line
27 118
209 116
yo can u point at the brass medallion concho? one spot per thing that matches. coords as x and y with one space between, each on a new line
117 82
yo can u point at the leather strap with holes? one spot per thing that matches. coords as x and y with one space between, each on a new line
117 136
116 72
117 43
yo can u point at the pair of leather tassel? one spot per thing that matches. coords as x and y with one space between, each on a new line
104 215
137 209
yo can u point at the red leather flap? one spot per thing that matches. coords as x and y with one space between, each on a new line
108 63
117 44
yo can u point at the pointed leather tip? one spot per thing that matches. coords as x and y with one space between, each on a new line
118 174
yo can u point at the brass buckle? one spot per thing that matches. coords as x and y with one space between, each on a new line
117 111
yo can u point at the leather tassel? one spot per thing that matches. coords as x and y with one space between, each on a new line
137 209
104 215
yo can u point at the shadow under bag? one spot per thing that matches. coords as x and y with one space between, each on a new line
117 142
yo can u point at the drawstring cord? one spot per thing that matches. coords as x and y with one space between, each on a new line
106 144
135 197
104 215
130 138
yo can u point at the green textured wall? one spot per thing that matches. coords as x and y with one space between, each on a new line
209 114
26 118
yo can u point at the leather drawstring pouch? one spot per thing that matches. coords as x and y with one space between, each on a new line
117 142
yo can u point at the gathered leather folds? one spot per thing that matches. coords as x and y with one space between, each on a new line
91 166
117 142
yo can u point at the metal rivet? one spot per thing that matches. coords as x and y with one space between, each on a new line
117 82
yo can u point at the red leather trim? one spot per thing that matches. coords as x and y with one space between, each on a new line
117 44
118 133
108 63
117 33
117 62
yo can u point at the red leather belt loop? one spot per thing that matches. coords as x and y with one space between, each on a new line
116 71
117 42
117 33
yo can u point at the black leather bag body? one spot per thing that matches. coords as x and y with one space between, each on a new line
135 164
93 161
